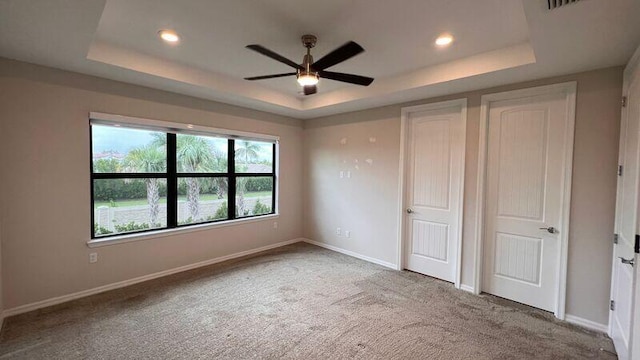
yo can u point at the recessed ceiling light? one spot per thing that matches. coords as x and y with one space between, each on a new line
169 36
444 40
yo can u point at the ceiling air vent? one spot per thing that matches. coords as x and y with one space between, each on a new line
554 4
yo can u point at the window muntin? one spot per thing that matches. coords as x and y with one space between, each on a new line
176 179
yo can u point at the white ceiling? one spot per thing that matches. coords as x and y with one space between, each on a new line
497 42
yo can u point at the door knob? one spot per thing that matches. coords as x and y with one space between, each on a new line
627 261
550 229
409 210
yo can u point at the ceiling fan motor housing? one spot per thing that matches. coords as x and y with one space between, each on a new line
309 41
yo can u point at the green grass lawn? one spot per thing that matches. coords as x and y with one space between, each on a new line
204 197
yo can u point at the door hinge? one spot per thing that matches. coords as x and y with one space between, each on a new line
619 170
612 305
636 246
624 101
615 238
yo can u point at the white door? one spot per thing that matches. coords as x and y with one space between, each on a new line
435 139
525 195
623 273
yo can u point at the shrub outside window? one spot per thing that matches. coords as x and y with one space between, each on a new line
151 179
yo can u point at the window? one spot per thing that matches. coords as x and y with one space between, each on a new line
146 178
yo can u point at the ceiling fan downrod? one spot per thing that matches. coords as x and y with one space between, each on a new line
307 76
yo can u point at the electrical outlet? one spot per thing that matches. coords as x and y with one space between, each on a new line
341 174
93 258
275 224
339 232
347 233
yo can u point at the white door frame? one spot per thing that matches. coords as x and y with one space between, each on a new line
405 111
629 75
569 90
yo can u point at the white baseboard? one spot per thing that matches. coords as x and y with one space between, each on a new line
467 288
351 253
64 298
591 325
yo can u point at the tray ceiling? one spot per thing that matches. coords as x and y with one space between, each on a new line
496 42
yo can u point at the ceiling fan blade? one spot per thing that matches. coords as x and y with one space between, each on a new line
310 89
266 52
338 55
269 76
348 78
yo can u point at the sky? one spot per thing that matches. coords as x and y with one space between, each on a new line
123 140
109 138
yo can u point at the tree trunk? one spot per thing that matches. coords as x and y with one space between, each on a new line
193 198
222 184
153 198
240 184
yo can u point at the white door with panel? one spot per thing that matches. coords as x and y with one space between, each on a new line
623 272
525 195
435 146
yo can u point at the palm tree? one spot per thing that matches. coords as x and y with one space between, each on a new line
194 155
247 150
220 164
148 159
241 183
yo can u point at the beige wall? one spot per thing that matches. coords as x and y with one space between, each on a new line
44 148
367 204
44 152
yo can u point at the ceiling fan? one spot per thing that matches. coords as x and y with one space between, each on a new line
309 71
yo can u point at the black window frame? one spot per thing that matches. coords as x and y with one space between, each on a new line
172 175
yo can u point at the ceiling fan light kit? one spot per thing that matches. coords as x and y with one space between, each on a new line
309 72
306 78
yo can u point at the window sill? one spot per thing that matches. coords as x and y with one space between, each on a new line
94 243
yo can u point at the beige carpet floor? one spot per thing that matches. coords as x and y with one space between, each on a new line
295 302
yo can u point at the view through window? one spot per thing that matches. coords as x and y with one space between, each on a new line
145 180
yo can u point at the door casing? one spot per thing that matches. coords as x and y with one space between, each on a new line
568 89
631 77
458 103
